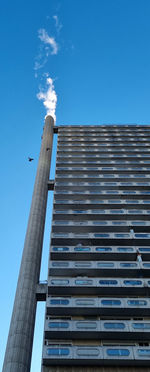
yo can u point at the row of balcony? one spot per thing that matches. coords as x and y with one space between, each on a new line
100 223
98 212
110 151
94 329
61 354
95 306
108 285
99 200
101 194
104 178
107 253
99 238
103 163
105 138
78 186
133 157
101 268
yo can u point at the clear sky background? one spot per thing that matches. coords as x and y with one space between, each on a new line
99 60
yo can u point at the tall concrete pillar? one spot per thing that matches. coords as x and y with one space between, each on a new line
20 338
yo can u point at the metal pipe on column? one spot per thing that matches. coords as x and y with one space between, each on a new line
20 339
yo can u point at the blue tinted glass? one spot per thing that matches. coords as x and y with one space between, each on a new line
58 351
114 325
116 211
108 282
144 249
137 302
141 325
132 282
124 249
142 235
143 352
146 264
59 302
60 249
84 282
82 249
103 249
105 264
122 235
118 352
111 302
58 324
126 264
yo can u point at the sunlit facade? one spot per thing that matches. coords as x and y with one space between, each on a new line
98 304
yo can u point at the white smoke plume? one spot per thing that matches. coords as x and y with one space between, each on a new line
49 98
49 40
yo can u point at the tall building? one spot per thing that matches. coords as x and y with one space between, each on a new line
98 305
97 296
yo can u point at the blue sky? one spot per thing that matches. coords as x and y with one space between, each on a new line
101 74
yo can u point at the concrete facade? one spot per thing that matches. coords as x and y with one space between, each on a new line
97 316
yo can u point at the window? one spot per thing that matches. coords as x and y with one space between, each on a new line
144 249
85 302
141 325
119 223
138 223
98 211
122 235
132 282
82 249
146 264
105 264
79 211
101 235
116 211
135 211
101 223
60 249
103 249
142 235
59 281
82 264
84 282
144 352
58 351
108 282
122 249
137 302
111 302
58 325
114 325
118 352
87 351
127 264
86 325
56 301
60 264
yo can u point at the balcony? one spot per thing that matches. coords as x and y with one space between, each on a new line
109 286
60 354
97 329
104 306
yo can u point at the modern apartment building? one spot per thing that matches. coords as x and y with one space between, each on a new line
98 290
98 304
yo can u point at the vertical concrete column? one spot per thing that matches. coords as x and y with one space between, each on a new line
20 338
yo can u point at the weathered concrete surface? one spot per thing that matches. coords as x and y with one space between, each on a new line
20 338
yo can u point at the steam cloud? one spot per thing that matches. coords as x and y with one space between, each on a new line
49 98
49 40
